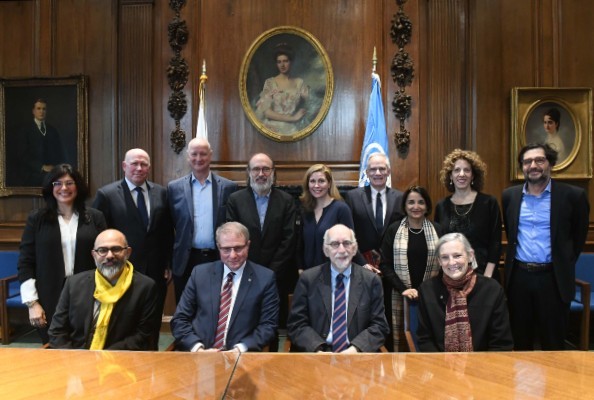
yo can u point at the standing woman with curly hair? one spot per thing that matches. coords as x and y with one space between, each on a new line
56 243
322 208
468 211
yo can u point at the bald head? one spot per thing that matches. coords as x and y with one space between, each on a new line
136 166
111 253
199 157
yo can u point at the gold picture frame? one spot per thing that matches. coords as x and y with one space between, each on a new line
29 147
286 103
573 138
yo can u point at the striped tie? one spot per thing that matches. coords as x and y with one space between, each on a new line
224 311
339 318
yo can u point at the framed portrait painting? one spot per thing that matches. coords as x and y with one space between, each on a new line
286 83
43 122
559 117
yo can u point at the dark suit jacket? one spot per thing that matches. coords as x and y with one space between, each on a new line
181 206
253 321
487 311
41 256
569 226
131 323
274 245
360 202
311 312
151 249
35 150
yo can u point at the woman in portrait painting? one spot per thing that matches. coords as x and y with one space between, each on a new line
469 211
281 104
551 122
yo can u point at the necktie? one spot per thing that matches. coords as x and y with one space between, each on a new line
339 317
42 128
379 212
142 207
224 311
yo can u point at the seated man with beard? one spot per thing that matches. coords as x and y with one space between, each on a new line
111 308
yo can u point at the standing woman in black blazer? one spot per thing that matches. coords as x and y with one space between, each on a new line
56 243
469 211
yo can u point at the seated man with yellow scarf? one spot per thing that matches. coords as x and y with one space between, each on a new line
111 308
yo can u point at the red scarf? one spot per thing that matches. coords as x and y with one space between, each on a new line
458 336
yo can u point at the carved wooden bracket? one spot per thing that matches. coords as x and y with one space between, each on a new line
177 74
402 74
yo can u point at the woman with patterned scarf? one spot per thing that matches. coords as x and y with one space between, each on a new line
460 310
408 258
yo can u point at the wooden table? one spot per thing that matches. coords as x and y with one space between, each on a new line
519 375
59 374
79 374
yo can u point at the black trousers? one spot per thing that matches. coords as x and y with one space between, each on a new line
536 310
196 257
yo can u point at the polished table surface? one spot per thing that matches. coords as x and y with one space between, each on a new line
48 374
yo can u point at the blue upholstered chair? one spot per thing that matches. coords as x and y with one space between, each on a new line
411 322
584 301
10 290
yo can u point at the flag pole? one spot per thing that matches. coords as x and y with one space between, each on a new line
201 127
374 60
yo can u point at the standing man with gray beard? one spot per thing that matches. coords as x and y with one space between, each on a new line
269 215
122 315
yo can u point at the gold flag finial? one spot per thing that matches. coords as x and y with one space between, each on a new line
374 59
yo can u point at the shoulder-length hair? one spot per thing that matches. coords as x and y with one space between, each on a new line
308 201
478 166
47 190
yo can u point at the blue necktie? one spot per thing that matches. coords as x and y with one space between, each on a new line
142 207
339 318
379 212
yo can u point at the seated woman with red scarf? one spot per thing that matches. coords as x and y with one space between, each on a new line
459 310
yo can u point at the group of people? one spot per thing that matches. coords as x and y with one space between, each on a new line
235 255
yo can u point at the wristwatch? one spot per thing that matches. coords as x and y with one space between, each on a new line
30 303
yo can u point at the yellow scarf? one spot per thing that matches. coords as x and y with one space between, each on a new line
108 295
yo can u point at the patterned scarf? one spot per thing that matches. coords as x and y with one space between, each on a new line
400 249
458 336
108 295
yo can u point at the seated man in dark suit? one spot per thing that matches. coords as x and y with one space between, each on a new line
230 304
123 313
338 306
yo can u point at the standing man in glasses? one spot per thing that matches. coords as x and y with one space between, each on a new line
338 306
109 308
269 215
231 304
546 224
139 209
198 204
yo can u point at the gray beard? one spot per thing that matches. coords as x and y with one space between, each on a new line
261 188
109 272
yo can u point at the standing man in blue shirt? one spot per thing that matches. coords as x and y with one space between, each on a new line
198 206
546 224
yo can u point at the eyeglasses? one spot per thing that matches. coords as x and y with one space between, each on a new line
115 250
538 160
346 244
264 170
236 249
64 183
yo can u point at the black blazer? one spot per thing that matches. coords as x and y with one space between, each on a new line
274 245
131 324
311 312
41 256
570 212
151 249
361 204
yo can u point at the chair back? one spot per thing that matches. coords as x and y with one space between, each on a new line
8 269
411 322
584 270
